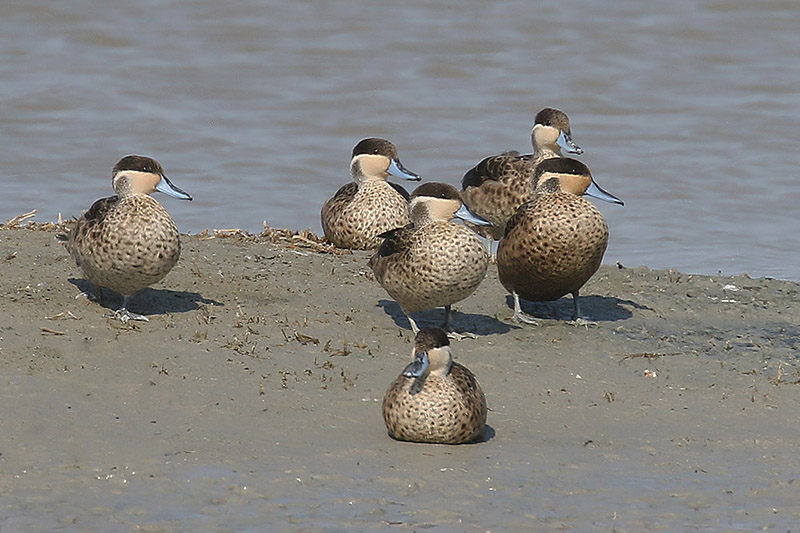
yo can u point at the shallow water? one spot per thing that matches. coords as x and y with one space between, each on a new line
687 110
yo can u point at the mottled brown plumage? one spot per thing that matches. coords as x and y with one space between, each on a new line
435 400
129 241
432 261
554 243
360 211
496 186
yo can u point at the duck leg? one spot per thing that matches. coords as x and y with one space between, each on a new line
489 240
577 319
519 316
414 326
452 334
576 307
448 315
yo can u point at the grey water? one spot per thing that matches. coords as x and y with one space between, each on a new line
687 110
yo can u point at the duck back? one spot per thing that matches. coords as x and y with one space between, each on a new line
356 215
437 264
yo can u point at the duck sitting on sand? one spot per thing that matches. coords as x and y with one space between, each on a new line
496 186
554 243
128 242
360 211
435 399
432 261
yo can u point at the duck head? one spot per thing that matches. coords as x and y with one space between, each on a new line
571 176
376 158
431 354
551 132
138 174
441 201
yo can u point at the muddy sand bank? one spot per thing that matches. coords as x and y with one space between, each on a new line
252 398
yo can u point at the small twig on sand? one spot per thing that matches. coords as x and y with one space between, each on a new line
63 315
227 232
649 355
17 220
302 239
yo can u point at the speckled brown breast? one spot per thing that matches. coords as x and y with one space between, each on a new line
497 186
449 410
439 264
125 245
552 247
355 216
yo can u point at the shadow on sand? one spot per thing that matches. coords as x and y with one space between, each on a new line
593 307
461 322
487 435
148 301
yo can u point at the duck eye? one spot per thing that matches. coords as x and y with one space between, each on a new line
548 123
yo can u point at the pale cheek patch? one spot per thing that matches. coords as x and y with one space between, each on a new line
135 181
444 208
440 360
425 208
574 184
372 166
545 135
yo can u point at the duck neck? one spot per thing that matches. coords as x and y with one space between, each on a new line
540 153
441 359
422 218
370 182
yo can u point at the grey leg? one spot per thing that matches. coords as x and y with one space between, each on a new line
519 316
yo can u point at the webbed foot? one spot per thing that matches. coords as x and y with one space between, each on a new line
124 316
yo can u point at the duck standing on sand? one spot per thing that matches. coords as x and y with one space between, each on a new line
128 242
496 186
432 261
360 211
435 399
554 243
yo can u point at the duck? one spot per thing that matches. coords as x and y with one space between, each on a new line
554 243
128 241
361 210
432 261
496 186
435 399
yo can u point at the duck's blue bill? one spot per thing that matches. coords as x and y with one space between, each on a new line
397 170
568 145
167 187
418 366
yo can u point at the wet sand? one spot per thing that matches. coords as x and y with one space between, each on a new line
251 400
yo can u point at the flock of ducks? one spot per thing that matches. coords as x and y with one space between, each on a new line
551 241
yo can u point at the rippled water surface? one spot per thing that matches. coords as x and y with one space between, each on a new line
688 110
